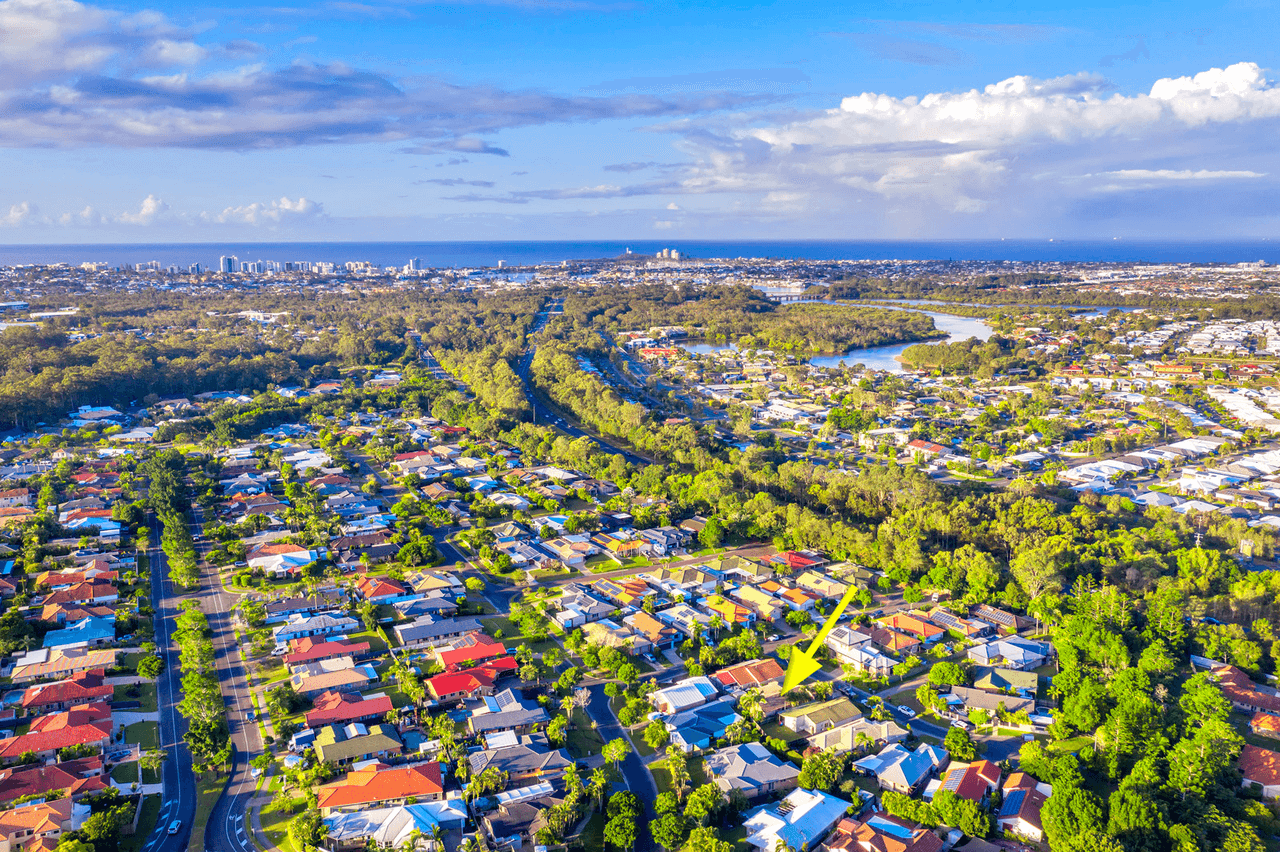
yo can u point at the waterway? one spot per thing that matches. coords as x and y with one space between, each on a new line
878 357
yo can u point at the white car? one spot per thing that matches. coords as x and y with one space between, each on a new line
175 826
905 711
964 726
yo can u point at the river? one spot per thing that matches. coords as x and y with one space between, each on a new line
878 357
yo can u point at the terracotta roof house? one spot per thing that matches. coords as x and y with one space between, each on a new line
312 649
925 631
333 707
73 778
473 682
656 632
893 641
972 781
1265 725
750 674
83 688
89 724
1243 693
379 590
374 787
475 647
1260 766
339 680
766 605
36 826
90 592
881 832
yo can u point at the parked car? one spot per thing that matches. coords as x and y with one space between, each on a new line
962 725
905 711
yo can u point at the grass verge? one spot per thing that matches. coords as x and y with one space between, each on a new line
146 824
208 790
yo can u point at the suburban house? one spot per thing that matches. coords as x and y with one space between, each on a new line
37 825
698 728
469 650
973 781
45 663
74 778
882 832
506 712
1019 813
428 632
799 821
525 759
369 788
473 682
684 694
751 674
1013 652
858 734
300 625
903 622
83 688
353 742
991 679
751 768
1244 694
86 725
310 649
819 716
278 559
658 635
967 699
336 708
391 828
326 677
902 770
1260 767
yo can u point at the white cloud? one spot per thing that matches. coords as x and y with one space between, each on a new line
1006 156
151 210
1181 174
273 212
19 214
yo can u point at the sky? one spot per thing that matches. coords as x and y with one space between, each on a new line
153 121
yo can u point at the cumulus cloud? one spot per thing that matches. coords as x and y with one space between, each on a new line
19 214
152 209
271 213
72 74
1016 151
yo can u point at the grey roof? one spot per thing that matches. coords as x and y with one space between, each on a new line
528 757
427 627
512 713
748 767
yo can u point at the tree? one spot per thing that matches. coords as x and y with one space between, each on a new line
669 831
620 831
615 751
656 735
704 803
150 667
821 771
474 585
677 763
557 730
153 759
959 745
947 674
711 534
707 840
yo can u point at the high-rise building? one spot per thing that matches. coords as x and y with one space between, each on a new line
228 263
415 264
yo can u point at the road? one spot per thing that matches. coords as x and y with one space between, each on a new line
179 800
226 831
634 772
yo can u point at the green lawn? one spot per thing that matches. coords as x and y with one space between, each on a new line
143 693
125 773
376 642
738 837
130 661
275 824
583 740
1066 746
500 622
146 823
208 791
145 734
662 778
592 836
150 776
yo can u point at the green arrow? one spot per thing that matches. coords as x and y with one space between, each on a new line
802 663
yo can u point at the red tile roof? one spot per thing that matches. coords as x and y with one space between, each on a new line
475 647
754 673
82 688
69 777
472 679
89 723
332 707
310 648
1260 765
370 786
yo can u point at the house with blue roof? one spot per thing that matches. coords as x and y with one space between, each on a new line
86 632
798 821
697 729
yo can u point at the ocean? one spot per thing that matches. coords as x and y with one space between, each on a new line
520 253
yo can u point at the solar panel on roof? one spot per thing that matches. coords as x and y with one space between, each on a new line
1013 803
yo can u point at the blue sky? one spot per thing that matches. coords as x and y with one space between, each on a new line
560 119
